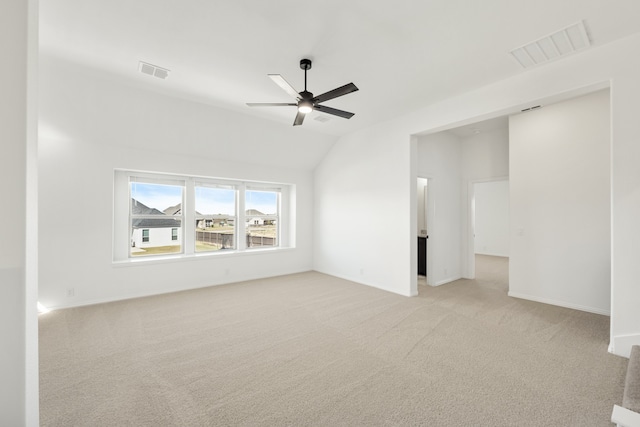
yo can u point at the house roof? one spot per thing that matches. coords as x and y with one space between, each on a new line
173 210
163 221
176 210
139 208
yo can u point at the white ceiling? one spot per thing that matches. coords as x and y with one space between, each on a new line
401 54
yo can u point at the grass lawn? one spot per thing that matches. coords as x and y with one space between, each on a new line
158 250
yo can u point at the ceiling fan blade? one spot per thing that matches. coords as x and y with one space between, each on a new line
280 81
343 90
299 119
335 112
269 104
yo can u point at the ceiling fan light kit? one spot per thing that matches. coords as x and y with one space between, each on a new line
305 101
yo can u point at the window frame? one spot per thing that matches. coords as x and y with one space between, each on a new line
285 218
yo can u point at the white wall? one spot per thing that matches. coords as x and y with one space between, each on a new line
492 218
560 204
362 212
486 155
18 268
376 164
439 158
91 125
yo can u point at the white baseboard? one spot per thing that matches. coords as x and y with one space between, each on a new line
560 303
623 417
621 344
360 281
447 280
123 297
493 254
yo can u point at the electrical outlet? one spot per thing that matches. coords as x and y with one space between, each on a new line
71 292
362 271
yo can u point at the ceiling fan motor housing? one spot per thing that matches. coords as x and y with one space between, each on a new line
306 95
305 64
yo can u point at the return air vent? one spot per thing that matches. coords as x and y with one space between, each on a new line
153 70
561 43
322 119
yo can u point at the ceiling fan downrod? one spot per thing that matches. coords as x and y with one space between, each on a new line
305 64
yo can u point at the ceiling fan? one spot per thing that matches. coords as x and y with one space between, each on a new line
306 102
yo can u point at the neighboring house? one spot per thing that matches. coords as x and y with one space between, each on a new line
255 218
216 221
148 232
174 210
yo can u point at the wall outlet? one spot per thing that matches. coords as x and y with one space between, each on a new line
226 271
362 271
71 292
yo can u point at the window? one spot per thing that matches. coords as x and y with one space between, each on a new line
155 216
167 215
262 208
215 217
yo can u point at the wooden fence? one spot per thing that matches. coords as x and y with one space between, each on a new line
223 240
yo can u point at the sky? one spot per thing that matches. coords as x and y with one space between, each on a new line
155 195
209 201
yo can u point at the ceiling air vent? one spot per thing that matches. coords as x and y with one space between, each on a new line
561 43
535 107
153 70
322 119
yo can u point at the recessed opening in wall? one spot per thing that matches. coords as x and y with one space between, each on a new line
159 216
551 169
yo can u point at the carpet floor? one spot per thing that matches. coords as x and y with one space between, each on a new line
314 350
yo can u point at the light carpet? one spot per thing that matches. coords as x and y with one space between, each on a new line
314 350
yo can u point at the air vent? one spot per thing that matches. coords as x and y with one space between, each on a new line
535 107
561 43
322 119
153 70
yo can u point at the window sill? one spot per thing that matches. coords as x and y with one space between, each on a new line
162 259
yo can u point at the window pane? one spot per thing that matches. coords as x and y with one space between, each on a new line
154 236
155 199
261 202
215 201
261 218
215 219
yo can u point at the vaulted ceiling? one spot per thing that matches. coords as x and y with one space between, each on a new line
401 54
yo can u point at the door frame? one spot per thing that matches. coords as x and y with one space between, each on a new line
469 260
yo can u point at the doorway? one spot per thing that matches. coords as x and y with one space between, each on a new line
424 219
488 208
